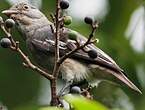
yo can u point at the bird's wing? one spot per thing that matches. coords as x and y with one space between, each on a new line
102 61
101 56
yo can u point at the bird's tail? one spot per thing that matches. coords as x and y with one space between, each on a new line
125 80
114 76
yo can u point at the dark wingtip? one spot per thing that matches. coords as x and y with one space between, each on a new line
129 83
121 76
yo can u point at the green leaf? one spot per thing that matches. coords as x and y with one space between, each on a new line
81 103
50 108
26 107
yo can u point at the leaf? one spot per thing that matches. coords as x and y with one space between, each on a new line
37 108
50 108
81 103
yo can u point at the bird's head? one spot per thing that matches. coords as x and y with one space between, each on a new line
23 13
26 16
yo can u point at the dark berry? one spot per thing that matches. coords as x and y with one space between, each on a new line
67 20
64 4
92 54
9 23
88 20
75 90
5 43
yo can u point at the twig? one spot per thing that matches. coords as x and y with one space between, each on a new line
57 36
59 61
27 62
8 34
52 29
54 100
67 55
53 18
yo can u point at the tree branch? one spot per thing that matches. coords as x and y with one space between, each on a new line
57 36
27 63
54 100
67 55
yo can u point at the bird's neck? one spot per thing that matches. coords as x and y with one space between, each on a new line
28 30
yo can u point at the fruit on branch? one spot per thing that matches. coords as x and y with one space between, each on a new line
75 90
88 20
9 23
64 4
67 20
72 35
92 54
5 43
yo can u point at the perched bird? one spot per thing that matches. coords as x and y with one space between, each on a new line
37 33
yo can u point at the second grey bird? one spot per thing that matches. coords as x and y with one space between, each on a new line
36 30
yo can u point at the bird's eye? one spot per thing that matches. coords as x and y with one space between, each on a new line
26 7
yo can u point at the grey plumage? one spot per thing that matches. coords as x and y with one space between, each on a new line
36 30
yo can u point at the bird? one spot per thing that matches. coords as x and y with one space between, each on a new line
37 33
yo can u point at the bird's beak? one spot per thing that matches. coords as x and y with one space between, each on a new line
9 12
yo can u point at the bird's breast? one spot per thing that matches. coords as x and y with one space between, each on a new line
73 70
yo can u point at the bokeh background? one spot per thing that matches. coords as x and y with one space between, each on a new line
121 34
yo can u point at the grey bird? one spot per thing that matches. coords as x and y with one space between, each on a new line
36 31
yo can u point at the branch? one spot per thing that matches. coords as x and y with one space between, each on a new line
57 36
89 41
54 99
27 63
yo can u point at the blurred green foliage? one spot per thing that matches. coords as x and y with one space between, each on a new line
20 87
81 103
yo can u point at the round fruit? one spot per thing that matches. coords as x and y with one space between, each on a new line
67 20
9 23
88 20
64 4
92 54
5 43
72 35
75 90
